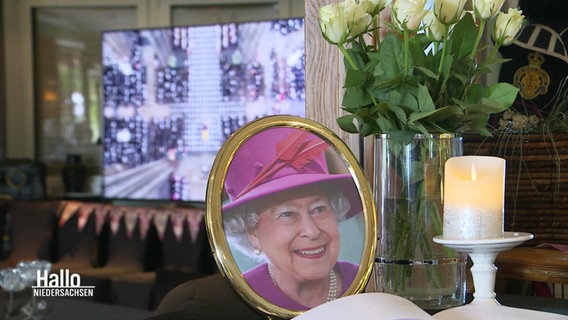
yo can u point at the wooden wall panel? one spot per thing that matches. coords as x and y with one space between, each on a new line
324 80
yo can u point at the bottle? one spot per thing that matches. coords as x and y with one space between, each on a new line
74 174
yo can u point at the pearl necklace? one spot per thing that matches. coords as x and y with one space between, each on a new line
333 287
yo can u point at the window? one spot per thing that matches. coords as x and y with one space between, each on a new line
67 72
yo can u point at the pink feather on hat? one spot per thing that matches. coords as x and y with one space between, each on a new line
280 159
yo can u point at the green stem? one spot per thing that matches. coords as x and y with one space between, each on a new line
375 34
400 224
436 47
478 39
406 53
435 277
444 41
491 55
493 51
348 57
417 218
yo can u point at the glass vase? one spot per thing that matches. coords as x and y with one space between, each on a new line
408 189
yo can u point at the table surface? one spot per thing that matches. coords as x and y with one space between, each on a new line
64 308
534 264
75 309
235 311
553 305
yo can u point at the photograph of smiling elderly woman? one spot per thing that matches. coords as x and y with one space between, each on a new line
287 202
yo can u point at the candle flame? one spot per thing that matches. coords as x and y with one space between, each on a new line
473 172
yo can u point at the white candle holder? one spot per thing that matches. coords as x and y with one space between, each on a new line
483 253
484 305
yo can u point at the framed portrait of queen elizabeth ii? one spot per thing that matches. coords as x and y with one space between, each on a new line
290 216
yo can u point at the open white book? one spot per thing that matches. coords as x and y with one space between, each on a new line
379 306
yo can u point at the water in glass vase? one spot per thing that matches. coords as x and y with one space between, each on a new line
431 284
408 187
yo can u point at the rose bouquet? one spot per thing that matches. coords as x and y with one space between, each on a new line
417 70
413 76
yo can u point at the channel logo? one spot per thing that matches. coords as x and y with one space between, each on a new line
62 284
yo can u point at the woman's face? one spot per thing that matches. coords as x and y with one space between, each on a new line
300 237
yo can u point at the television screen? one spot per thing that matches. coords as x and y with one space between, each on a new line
171 96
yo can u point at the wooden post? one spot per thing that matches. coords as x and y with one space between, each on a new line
325 74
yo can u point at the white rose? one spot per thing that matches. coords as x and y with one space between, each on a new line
332 23
408 14
507 26
373 7
435 30
357 18
486 9
449 11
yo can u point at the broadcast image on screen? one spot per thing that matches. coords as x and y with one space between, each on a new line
171 96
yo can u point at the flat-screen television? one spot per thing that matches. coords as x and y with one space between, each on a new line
171 96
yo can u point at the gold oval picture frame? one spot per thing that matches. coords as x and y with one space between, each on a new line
290 216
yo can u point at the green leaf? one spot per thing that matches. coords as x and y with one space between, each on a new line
493 99
447 66
445 74
476 122
491 106
409 101
358 55
391 53
463 37
493 61
347 123
374 59
418 127
441 114
354 78
404 99
398 112
427 72
383 83
356 97
503 93
384 124
475 93
425 103
366 124
417 50
368 129
402 137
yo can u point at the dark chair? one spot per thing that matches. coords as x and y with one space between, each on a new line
77 248
184 259
204 298
136 289
186 253
123 254
181 259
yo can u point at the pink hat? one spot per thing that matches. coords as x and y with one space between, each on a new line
280 159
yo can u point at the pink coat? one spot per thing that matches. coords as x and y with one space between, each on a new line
259 280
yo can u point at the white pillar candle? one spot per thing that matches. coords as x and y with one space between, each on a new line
474 197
